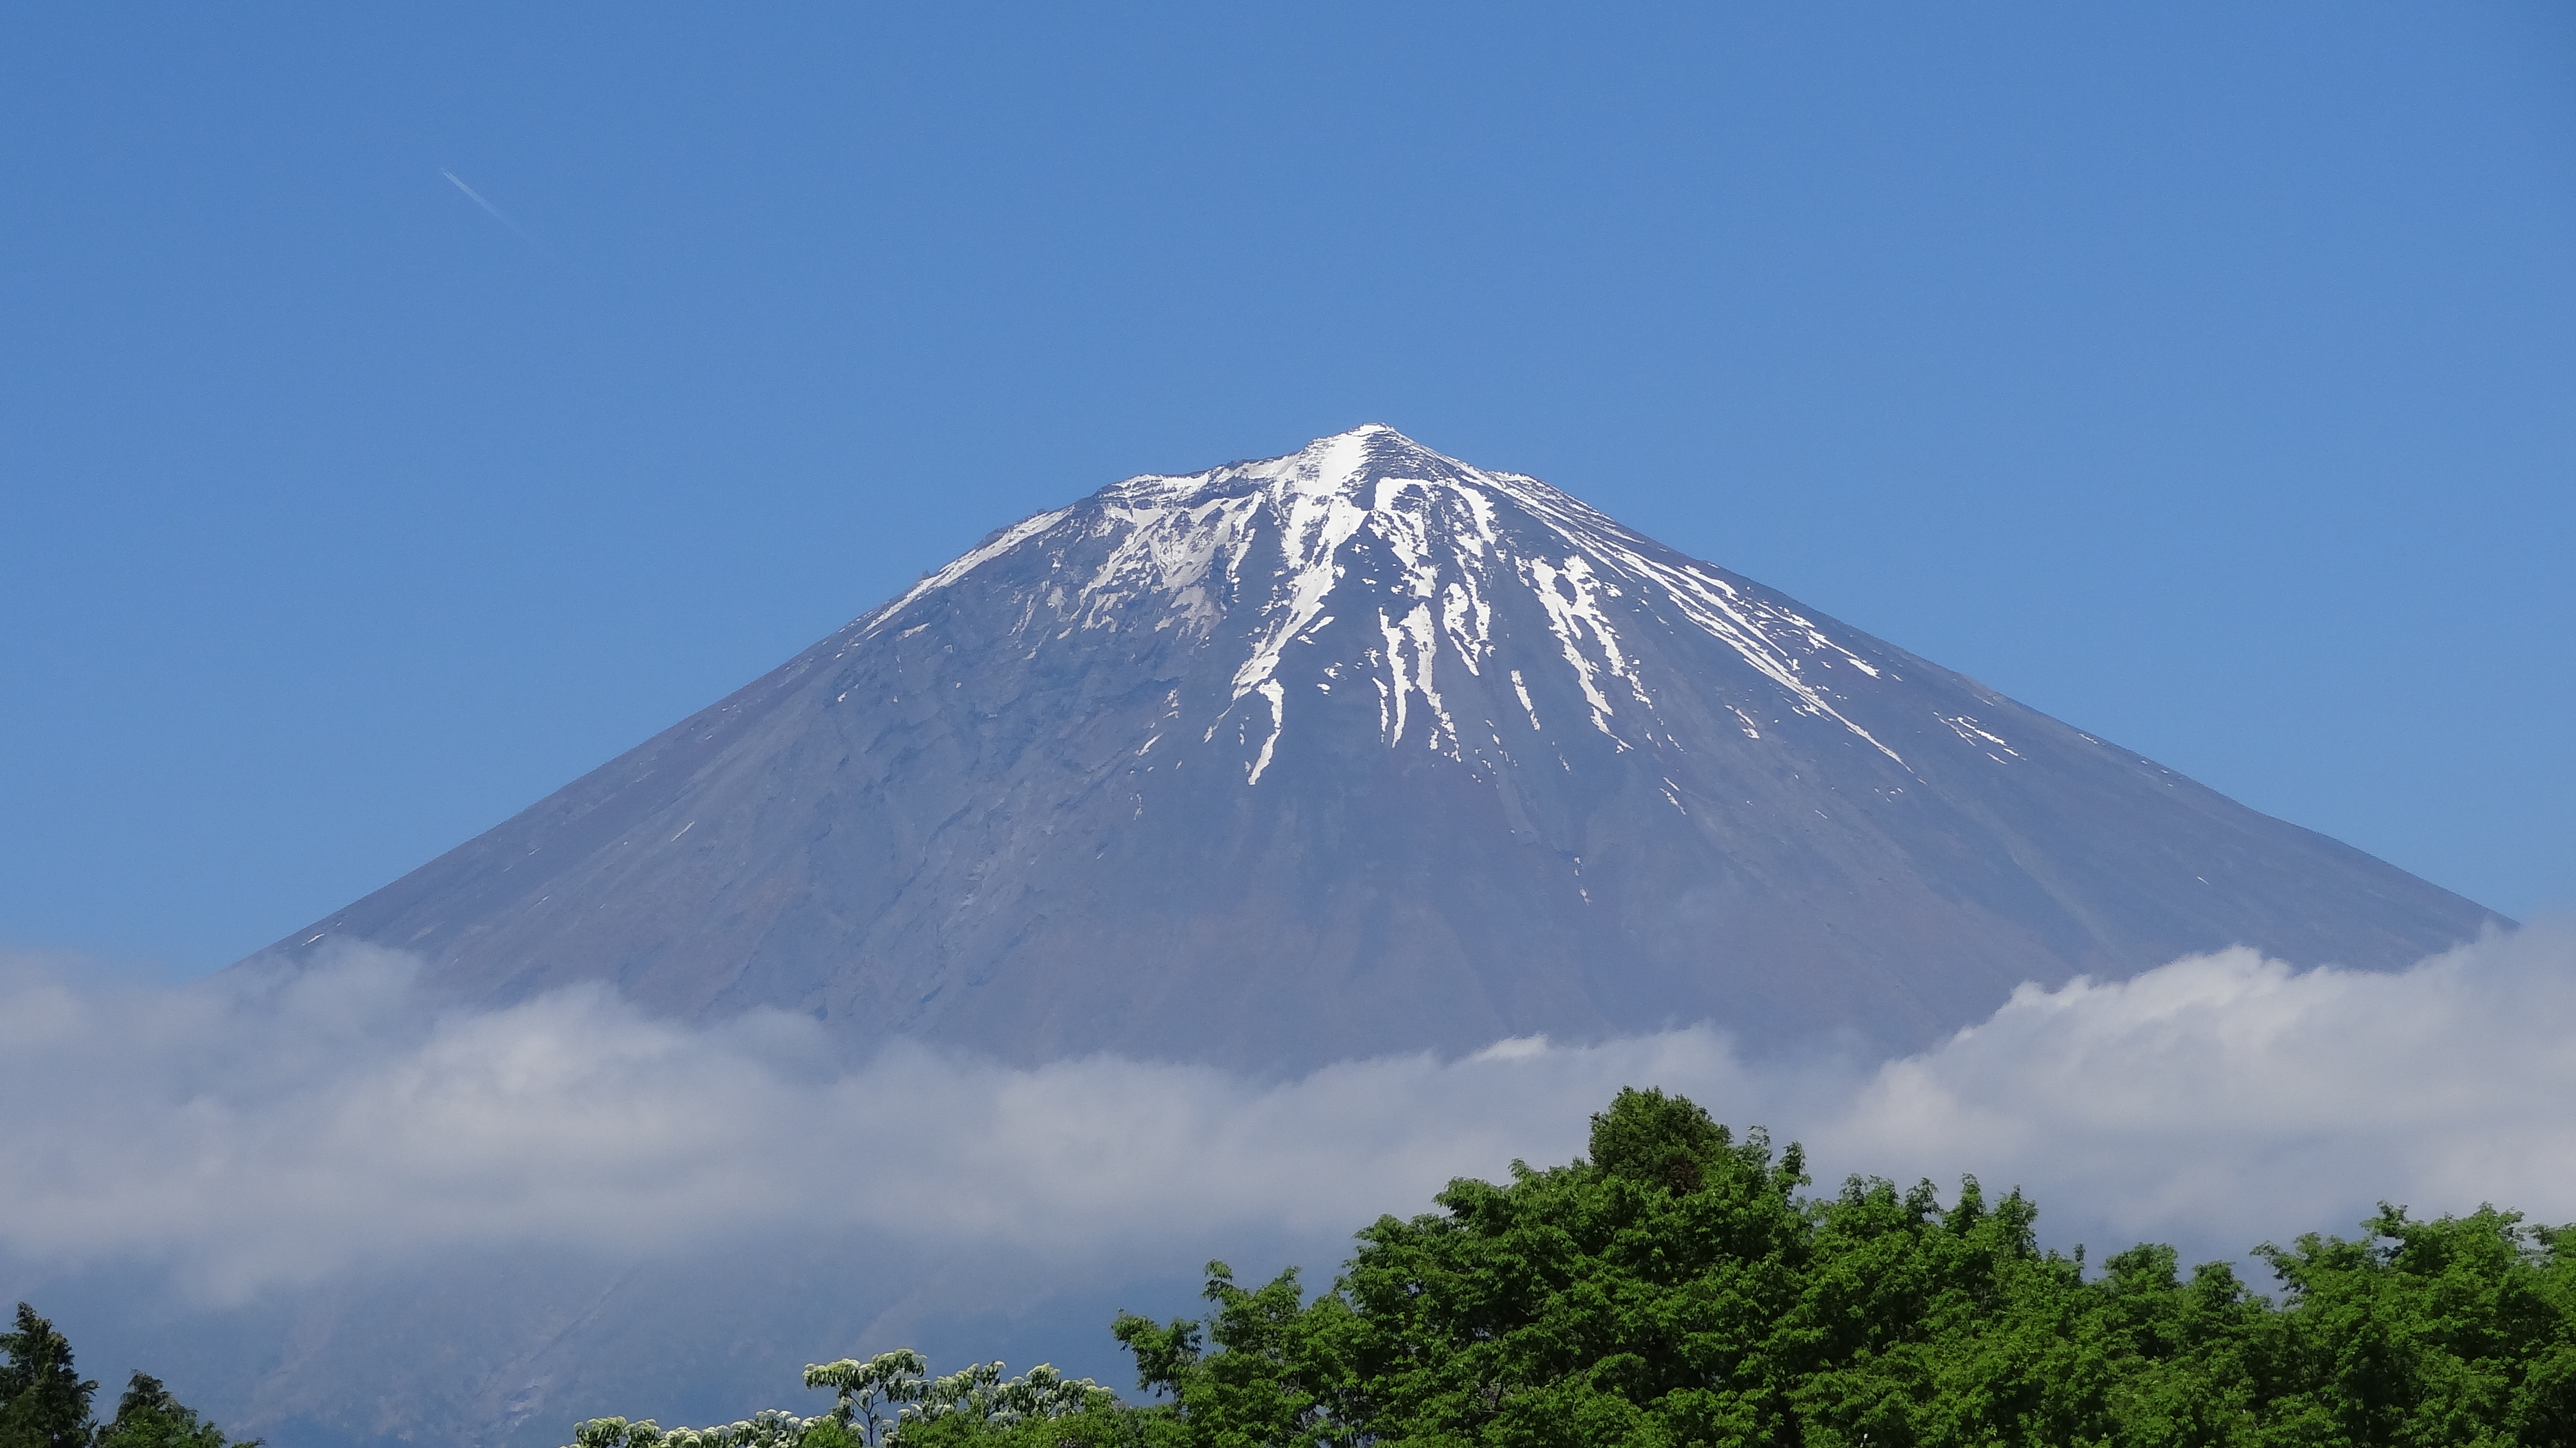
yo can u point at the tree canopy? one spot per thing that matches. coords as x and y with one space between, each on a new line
45 1403
1678 1286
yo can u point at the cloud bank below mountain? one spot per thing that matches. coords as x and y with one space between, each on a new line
248 1135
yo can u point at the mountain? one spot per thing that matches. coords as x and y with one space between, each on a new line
1357 750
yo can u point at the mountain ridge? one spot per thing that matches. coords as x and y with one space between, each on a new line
1473 761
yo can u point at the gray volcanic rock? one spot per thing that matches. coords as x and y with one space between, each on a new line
1361 750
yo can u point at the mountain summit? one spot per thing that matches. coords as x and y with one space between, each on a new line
1358 750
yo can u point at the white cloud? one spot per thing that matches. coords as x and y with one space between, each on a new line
250 1134
2224 1099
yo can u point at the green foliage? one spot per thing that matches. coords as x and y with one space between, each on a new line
148 1417
2456 1331
1677 1288
1279 1372
44 1403
1647 1136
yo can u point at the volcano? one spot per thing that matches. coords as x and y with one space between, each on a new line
1360 750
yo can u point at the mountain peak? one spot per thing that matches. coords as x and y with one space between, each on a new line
1343 464
1362 749
1420 553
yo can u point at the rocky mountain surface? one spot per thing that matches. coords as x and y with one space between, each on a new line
1357 750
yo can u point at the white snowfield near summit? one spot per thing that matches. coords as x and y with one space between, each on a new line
1190 543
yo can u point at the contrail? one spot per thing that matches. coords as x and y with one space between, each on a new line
477 198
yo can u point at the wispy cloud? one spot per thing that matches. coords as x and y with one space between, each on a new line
249 1133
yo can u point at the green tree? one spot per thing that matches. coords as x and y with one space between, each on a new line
1677 1288
44 1402
148 1417
1281 1374
2460 1330
1626 1299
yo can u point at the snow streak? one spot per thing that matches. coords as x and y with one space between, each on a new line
1425 554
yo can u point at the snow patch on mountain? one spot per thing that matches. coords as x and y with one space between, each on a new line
1425 544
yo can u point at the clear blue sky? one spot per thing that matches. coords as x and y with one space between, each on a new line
2203 376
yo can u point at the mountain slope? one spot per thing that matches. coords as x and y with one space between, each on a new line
1365 749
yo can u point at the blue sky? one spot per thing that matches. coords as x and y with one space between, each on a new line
2203 376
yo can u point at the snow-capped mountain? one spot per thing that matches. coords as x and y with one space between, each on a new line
1366 749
